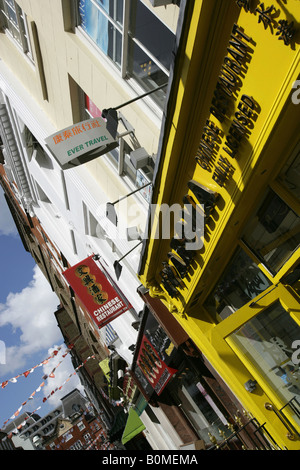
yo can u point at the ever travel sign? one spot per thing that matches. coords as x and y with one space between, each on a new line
81 142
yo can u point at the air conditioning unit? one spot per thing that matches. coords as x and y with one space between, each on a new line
159 3
139 158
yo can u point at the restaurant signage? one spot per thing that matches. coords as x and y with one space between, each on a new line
155 356
81 143
219 150
92 287
153 367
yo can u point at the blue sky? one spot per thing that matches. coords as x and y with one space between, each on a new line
28 327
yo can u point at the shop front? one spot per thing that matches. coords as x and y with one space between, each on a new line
175 378
237 150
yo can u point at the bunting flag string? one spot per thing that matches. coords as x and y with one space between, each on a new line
51 375
29 371
68 378
111 401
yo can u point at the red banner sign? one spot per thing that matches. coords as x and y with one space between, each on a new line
153 367
94 290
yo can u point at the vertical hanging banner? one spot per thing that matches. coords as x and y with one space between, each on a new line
153 367
95 291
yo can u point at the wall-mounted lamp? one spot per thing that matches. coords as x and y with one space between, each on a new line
110 114
117 266
110 209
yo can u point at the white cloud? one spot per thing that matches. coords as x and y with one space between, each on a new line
7 225
31 315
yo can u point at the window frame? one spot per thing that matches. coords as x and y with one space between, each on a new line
288 199
124 30
277 186
24 44
221 333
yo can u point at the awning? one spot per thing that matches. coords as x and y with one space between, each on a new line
133 426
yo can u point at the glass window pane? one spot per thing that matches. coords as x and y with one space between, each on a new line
152 33
91 108
119 11
15 22
267 342
94 23
290 176
100 29
241 282
146 72
274 232
12 15
105 4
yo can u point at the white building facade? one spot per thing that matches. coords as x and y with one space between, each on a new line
62 62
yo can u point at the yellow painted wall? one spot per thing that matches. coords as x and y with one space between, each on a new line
267 78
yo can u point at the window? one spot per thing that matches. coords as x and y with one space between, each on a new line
77 446
87 437
15 24
90 109
81 426
241 282
68 436
267 248
102 20
150 47
267 342
135 40
273 233
290 176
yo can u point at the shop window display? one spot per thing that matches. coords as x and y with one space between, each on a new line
273 234
241 282
266 341
290 177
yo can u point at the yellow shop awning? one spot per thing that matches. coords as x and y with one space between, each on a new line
133 426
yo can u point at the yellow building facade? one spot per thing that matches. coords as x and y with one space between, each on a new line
230 143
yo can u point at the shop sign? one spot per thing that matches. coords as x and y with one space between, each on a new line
81 143
268 17
217 151
153 367
155 354
99 297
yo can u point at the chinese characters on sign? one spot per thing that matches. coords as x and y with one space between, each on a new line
77 129
266 16
232 72
81 142
94 290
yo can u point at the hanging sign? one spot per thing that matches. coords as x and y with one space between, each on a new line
94 290
153 367
81 143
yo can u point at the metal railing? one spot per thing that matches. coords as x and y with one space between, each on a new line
248 436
